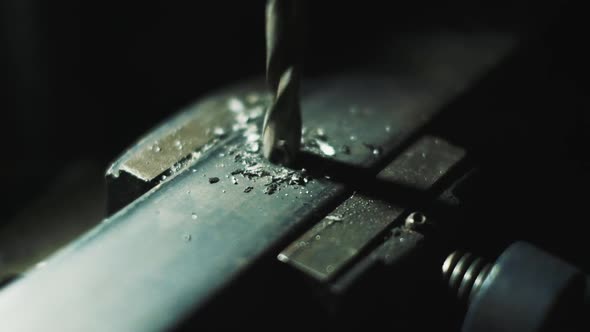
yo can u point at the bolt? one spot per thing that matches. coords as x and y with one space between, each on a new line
415 220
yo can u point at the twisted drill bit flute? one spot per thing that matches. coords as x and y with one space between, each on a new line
281 135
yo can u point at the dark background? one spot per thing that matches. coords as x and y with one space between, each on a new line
82 80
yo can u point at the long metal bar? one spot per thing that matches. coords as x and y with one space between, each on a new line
162 257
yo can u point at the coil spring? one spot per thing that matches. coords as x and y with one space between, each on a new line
464 273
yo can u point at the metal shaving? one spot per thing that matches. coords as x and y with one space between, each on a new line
334 218
254 167
271 189
235 105
219 132
277 177
246 153
326 148
255 171
317 141
256 112
376 150
320 133
253 146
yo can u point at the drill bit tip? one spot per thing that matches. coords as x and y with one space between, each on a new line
281 136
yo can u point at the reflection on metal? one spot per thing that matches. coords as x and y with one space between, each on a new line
139 262
155 158
337 239
465 273
180 142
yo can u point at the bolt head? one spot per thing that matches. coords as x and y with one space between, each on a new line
415 220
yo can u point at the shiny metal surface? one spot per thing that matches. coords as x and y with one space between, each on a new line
153 263
343 234
181 141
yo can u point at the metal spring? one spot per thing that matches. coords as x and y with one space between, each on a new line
464 273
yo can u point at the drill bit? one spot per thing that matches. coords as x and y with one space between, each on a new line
281 135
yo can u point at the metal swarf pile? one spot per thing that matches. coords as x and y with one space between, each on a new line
251 165
245 153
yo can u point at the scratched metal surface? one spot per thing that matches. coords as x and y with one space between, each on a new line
153 263
181 141
191 131
324 250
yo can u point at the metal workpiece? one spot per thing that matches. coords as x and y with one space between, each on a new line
166 253
399 245
178 244
397 104
418 236
526 289
281 135
182 140
341 236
